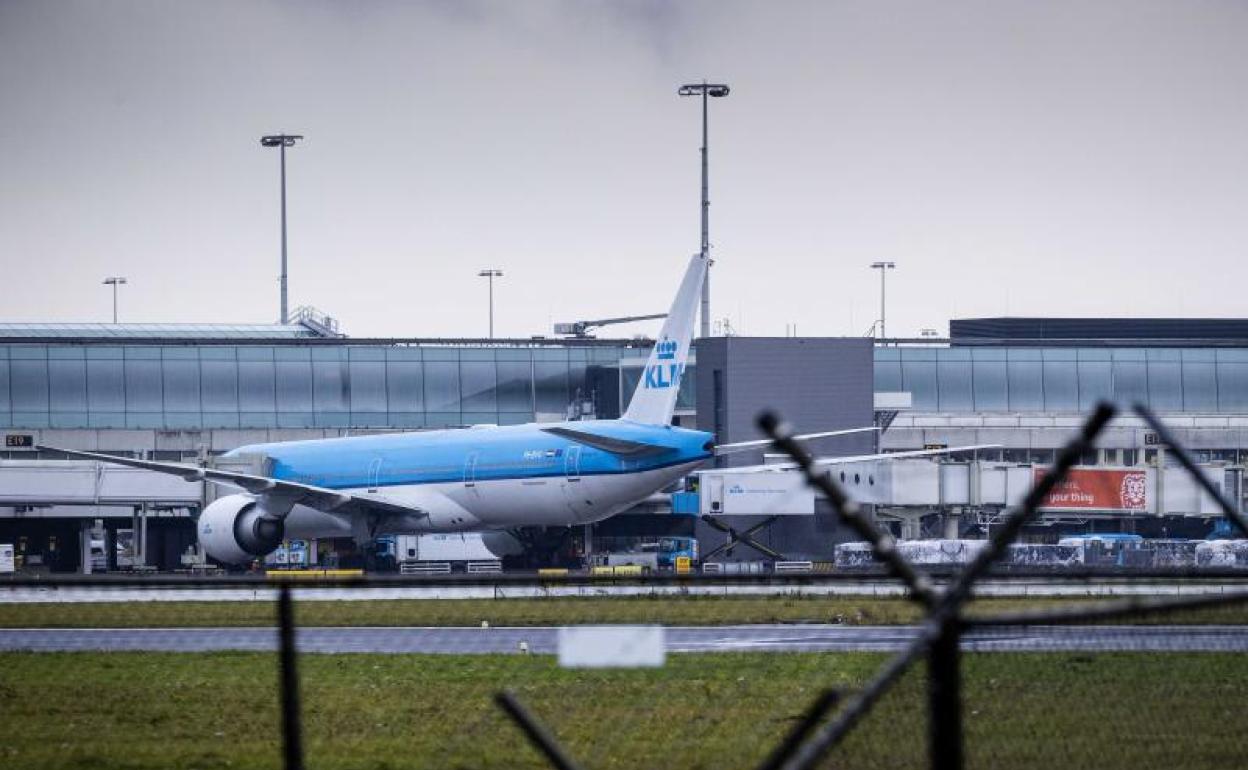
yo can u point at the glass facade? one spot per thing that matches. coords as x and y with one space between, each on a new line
209 386
248 385
1065 379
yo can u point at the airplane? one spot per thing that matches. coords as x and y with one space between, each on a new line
490 479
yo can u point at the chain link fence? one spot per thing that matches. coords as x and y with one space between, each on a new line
688 671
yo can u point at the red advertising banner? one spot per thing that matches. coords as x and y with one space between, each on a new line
1100 489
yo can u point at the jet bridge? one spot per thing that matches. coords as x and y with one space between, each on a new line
31 485
74 514
905 487
42 483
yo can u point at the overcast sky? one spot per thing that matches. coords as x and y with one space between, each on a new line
1013 158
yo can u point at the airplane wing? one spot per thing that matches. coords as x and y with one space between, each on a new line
321 498
763 443
822 461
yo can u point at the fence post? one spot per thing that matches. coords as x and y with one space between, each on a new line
944 694
826 701
941 635
539 736
292 740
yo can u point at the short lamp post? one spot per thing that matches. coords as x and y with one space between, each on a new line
883 267
491 274
114 281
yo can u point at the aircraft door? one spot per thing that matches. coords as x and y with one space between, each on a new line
572 463
374 475
576 492
472 490
712 491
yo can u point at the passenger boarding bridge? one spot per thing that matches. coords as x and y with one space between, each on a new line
966 495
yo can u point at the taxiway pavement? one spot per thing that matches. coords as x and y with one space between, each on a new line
543 640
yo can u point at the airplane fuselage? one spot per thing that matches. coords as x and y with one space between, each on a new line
487 478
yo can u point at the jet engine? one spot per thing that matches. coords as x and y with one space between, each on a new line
234 530
502 544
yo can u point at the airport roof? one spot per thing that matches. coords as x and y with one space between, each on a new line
1168 332
306 322
266 335
9 331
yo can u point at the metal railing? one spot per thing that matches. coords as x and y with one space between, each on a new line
833 713
939 641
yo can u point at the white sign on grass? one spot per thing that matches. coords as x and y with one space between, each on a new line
611 647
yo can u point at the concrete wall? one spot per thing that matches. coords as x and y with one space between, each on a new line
817 384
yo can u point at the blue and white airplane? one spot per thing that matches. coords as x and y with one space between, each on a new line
489 479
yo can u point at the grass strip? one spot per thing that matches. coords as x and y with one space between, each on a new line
219 710
669 610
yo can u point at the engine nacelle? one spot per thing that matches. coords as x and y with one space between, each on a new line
233 529
502 544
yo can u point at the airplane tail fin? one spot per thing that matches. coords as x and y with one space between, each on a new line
655 398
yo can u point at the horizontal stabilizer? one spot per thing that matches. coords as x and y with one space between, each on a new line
616 446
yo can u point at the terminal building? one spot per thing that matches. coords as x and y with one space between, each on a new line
1024 383
191 392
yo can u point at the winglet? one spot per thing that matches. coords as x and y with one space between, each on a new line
654 400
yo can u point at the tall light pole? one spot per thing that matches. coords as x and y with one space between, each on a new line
883 267
282 141
491 274
705 90
114 281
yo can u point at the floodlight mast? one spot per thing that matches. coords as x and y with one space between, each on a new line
717 90
114 281
883 267
282 141
491 273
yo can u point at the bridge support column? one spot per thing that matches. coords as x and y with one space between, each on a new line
951 522
142 534
138 526
84 545
110 546
912 526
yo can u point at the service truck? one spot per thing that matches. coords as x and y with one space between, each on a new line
658 555
434 553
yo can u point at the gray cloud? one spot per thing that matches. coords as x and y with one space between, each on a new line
1054 158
